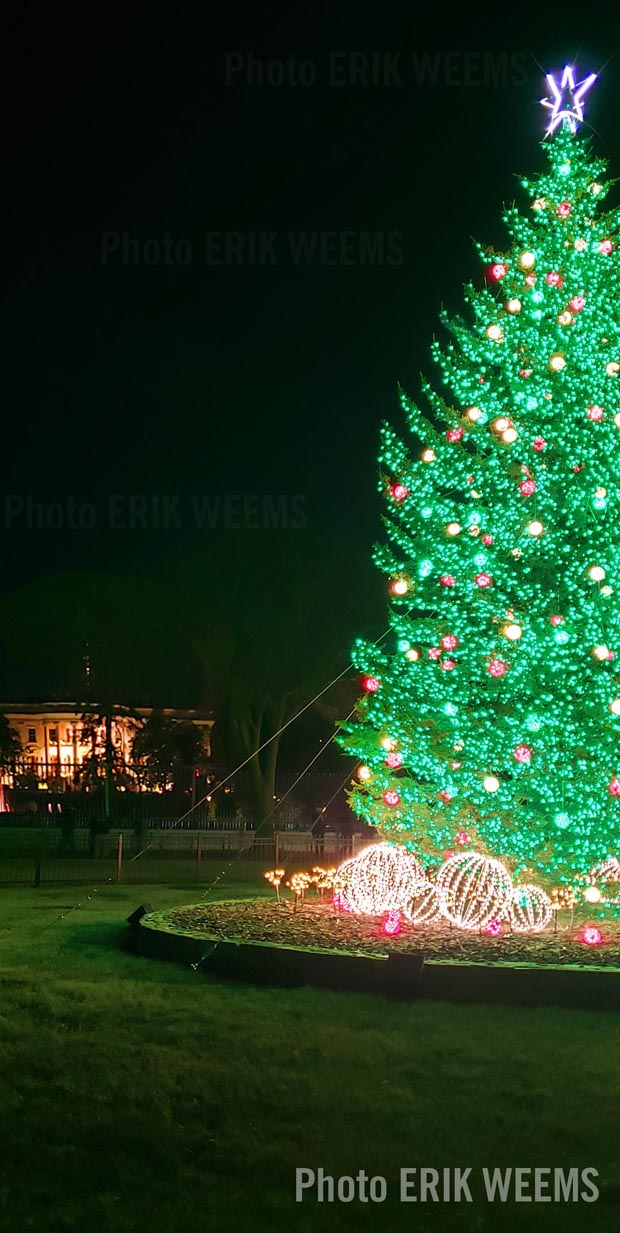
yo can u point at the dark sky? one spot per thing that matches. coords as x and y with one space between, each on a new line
135 363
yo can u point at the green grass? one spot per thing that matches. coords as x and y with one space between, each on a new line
141 1096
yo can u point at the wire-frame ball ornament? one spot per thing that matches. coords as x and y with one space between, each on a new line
383 878
473 889
529 909
424 909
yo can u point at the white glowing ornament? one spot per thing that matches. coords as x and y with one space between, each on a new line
509 435
600 652
490 783
473 414
412 655
500 424
364 773
529 909
557 362
382 878
453 528
597 573
527 261
428 455
512 631
615 706
535 528
513 306
400 586
495 333
592 894
473 889
566 101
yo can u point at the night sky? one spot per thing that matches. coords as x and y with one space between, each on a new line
141 359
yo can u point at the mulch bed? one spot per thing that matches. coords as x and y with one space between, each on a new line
320 925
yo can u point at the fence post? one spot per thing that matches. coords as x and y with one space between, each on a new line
119 857
198 847
276 840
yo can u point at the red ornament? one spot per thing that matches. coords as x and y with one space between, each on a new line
606 247
556 620
463 838
525 372
522 753
447 580
399 492
530 280
487 540
591 935
577 467
371 684
497 667
449 642
577 303
391 798
445 796
434 653
539 444
554 279
595 413
527 487
455 434
564 209
493 928
483 580
497 271
394 760
447 665
614 787
391 924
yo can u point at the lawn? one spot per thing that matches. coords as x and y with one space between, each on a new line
140 1096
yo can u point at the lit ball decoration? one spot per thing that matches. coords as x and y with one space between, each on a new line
447 580
399 492
393 759
612 369
495 333
473 414
500 424
615 706
600 652
455 434
580 245
497 668
487 540
428 455
606 247
391 798
447 665
557 362
529 909
371 684
522 753
591 935
535 528
473 889
424 908
617 420
553 278
490 783
364 773
614 787
527 261
382 878
596 573
565 318
434 652
497 271
556 620
399 586
453 528
564 209
513 307
539 444
527 487
592 894
562 821
596 414
512 631
494 928
391 924
449 642
577 303
483 580
412 655
509 436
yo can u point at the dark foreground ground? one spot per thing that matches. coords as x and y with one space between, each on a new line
137 1095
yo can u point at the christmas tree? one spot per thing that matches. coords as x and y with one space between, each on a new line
490 715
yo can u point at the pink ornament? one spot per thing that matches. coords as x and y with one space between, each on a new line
595 413
553 278
556 620
455 434
614 787
447 665
525 372
530 280
447 580
606 247
527 487
462 839
591 935
434 653
449 642
522 753
493 928
391 924
498 271
497 667
371 684
577 303
391 798
393 759
487 540
539 444
483 580
445 796
399 492
564 209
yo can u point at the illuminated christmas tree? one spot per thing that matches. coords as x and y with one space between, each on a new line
491 713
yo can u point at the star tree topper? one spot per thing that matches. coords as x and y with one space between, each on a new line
566 102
